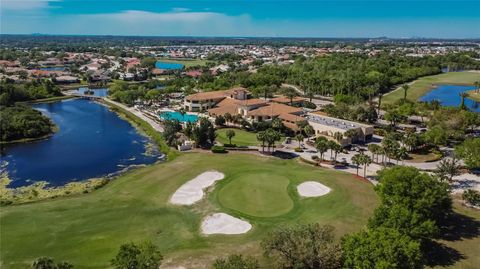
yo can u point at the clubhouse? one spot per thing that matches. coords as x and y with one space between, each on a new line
237 101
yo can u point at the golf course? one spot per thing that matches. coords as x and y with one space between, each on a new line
88 229
423 85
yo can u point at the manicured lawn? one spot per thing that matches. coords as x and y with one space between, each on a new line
241 138
423 85
186 62
263 195
88 229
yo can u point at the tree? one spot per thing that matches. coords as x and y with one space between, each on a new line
366 161
351 133
447 169
380 248
469 152
236 262
400 154
463 95
335 147
411 202
299 138
170 130
272 136
405 88
48 263
357 160
262 137
230 134
375 149
309 131
321 144
338 136
142 256
472 197
290 93
435 136
228 117
305 246
277 124
219 120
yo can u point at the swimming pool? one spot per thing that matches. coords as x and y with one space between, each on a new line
169 115
168 65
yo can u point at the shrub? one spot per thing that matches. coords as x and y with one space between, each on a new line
218 149
298 150
315 157
472 197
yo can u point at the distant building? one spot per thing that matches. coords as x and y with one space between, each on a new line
328 126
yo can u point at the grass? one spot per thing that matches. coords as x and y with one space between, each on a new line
88 229
423 85
262 195
49 99
474 95
186 62
241 138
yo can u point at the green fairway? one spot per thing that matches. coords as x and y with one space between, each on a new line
423 85
186 62
260 194
88 229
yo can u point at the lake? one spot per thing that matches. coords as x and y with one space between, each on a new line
449 95
91 142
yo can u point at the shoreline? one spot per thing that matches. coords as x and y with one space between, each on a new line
474 96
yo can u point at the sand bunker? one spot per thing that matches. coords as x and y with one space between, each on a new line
221 223
312 189
192 191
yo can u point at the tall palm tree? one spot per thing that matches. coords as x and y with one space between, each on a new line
262 137
322 146
366 161
356 159
299 138
463 95
405 88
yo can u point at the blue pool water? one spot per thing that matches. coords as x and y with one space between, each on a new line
178 116
103 92
448 95
168 66
92 141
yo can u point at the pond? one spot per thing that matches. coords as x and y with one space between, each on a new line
168 65
101 92
169 115
92 141
449 95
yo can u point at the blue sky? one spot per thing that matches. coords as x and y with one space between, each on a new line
281 18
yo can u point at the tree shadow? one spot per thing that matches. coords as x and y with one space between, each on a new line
439 254
455 227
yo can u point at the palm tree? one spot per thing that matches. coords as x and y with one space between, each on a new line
435 104
309 131
228 117
463 95
262 137
366 161
374 149
351 133
405 88
477 85
322 146
230 133
299 138
272 137
356 159
338 136
337 148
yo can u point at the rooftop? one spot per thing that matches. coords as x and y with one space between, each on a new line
334 122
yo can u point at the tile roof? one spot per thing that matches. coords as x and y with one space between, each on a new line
274 109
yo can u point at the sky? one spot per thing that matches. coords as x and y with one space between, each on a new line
244 18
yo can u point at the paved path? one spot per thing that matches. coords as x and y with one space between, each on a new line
137 113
